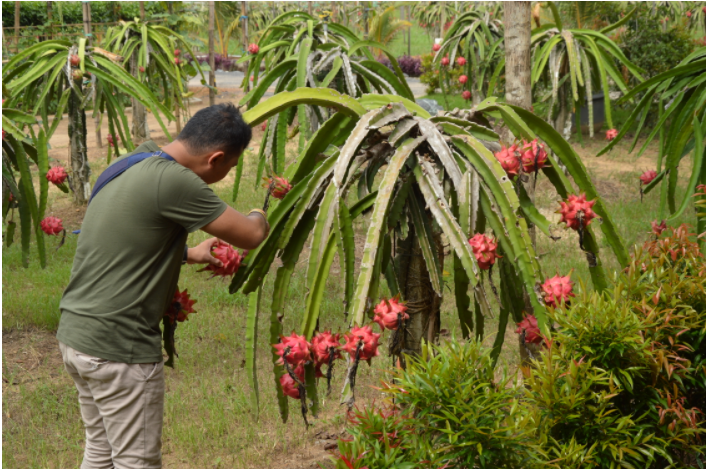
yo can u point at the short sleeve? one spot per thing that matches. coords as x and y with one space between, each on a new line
186 199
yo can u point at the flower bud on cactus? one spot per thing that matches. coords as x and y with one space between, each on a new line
533 156
463 79
509 160
386 314
611 134
180 307
253 48
557 289
177 53
530 326
444 61
436 47
57 175
74 60
577 209
51 226
369 340
321 344
299 349
658 228
484 249
466 94
77 75
648 176
141 69
229 257
279 186
289 386
461 61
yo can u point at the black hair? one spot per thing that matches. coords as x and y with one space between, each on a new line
218 127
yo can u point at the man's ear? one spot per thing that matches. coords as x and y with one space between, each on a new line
217 158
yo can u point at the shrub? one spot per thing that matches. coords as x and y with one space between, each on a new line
430 76
410 65
654 50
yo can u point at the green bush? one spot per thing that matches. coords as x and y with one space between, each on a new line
430 76
35 13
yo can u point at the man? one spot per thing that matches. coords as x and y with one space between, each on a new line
125 272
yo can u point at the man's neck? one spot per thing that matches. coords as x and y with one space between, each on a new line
181 155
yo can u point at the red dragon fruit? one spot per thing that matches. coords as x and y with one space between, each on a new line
533 156
57 175
444 61
299 349
51 226
611 134
230 258
253 48
111 139
74 60
509 160
461 61
180 308
466 94
577 208
279 186
369 339
436 47
558 288
321 344
386 313
530 326
689 14
484 249
648 176
177 53
463 79
289 386
141 69
658 228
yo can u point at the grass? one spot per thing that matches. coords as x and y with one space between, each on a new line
208 414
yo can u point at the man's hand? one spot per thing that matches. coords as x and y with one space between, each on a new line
201 254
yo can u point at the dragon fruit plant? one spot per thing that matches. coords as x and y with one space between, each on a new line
415 177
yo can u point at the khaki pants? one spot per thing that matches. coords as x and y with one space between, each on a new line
121 405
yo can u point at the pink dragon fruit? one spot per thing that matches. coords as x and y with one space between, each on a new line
533 156
322 344
557 289
74 60
436 47
181 307
230 258
463 79
289 386
51 226
509 159
444 61
253 48
530 326
279 186
386 313
299 349
461 61
648 176
573 208
369 339
57 175
611 134
466 94
484 249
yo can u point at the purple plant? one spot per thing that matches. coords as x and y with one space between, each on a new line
410 65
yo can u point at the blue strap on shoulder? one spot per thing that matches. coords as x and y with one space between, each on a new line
118 168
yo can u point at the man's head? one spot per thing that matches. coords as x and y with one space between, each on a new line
215 137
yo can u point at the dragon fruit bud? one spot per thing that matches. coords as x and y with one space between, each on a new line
51 226
558 288
289 386
611 134
533 156
141 69
230 258
648 176
461 61
576 208
299 352
74 60
530 326
463 79
77 75
321 344
279 187
253 48
509 160
484 249
466 94
436 47
444 61
369 339
658 228
386 314
57 175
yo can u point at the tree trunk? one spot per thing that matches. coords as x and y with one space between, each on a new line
309 7
49 20
141 131
80 170
245 38
17 27
212 72
142 11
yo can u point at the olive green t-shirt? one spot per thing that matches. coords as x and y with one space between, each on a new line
128 257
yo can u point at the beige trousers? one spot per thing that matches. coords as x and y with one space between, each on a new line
122 406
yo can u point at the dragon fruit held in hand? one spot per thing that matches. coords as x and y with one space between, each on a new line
279 186
648 176
299 349
558 288
577 208
484 249
530 326
322 344
181 307
509 160
369 339
289 386
386 313
57 175
51 226
533 156
230 258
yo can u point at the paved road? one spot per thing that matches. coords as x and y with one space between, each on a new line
233 80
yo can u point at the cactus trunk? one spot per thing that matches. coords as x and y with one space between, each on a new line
80 170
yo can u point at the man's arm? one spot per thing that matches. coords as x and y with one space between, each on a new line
246 232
